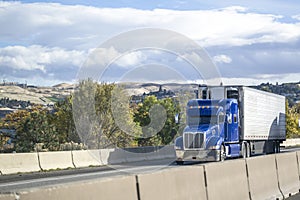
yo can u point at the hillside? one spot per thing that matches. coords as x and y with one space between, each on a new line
49 95
290 90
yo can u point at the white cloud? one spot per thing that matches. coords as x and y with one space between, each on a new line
235 9
49 37
222 59
296 17
131 59
37 61
86 26
101 56
37 57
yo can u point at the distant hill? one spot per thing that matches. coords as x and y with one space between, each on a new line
45 95
290 90
18 93
63 85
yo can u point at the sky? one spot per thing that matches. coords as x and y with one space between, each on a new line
47 42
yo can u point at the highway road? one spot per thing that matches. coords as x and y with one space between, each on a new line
21 182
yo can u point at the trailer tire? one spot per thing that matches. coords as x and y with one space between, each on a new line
277 147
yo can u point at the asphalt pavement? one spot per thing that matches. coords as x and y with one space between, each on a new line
21 182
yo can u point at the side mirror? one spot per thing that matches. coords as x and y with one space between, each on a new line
229 118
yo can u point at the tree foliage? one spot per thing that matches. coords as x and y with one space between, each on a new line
31 127
95 120
292 121
64 123
150 122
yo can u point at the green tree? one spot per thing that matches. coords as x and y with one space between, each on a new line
64 122
36 128
93 107
14 120
157 119
292 121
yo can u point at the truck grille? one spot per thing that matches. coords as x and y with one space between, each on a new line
193 140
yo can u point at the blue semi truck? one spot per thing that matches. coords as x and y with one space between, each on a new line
231 122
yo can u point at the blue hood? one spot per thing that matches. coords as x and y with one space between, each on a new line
201 128
211 139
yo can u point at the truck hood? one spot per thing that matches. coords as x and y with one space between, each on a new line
211 135
202 128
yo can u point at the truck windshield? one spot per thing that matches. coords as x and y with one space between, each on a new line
196 120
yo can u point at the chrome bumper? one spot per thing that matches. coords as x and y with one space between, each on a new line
197 155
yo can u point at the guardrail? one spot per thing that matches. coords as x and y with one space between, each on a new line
32 162
264 177
13 163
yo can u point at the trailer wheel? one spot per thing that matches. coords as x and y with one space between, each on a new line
222 155
277 147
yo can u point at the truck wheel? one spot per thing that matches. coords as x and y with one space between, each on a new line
248 150
244 150
179 162
222 155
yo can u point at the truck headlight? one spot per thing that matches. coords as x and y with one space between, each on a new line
177 147
215 147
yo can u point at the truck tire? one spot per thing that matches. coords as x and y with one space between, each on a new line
244 150
248 150
222 155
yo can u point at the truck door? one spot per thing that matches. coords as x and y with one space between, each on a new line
231 133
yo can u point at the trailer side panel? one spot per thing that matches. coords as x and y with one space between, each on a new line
262 115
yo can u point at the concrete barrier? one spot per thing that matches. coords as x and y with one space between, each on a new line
117 156
153 153
291 142
86 158
135 156
56 160
288 174
168 152
28 162
7 197
105 189
174 184
104 155
262 177
19 162
227 180
157 153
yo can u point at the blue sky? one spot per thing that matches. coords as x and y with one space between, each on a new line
46 42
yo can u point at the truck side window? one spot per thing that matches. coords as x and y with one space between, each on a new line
221 117
235 118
